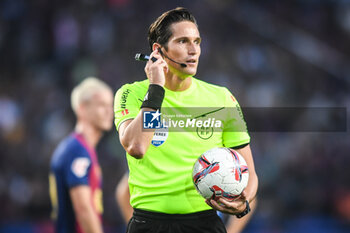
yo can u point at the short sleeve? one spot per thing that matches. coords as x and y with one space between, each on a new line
126 105
235 128
76 171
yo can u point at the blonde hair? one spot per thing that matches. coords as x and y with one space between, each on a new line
85 90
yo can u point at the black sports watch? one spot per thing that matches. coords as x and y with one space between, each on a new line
245 212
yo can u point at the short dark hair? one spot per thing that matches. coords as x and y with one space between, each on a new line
160 32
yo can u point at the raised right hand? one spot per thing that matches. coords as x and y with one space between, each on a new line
155 71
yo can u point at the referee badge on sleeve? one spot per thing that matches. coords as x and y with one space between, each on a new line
80 166
160 136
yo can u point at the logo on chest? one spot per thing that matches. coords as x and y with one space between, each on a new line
205 132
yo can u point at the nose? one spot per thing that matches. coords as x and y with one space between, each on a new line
193 48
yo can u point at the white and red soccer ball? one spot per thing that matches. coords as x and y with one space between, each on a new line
220 172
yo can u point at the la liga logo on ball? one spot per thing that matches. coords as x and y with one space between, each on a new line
220 172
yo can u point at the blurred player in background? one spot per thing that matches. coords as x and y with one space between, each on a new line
75 177
122 195
162 193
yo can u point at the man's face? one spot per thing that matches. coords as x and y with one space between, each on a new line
184 47
99 110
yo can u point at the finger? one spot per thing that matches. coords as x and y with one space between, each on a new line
158 63
237 204
208 202
153 59
162 64
152 62
217 206
227 203
224 201
157 59
154 56
230 207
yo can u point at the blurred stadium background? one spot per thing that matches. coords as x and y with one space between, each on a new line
268 53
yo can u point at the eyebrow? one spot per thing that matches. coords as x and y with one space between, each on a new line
186 37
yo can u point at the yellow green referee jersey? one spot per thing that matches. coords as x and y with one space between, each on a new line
162 180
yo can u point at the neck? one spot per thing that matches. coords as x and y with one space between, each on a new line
175 82
89 132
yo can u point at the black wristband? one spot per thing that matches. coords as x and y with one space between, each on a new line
154 97
245 212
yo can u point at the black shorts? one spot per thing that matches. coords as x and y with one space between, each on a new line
153 222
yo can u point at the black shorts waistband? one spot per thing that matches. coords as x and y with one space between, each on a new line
163 216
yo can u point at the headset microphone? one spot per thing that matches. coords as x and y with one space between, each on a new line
143 57
183 65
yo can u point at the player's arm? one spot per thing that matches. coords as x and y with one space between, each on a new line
84 211
132 136
122 195
236 225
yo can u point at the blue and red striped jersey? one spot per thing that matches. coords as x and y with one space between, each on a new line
73 163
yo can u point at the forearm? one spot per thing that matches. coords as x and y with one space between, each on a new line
252 187
236 225
89 220
134 138
84 210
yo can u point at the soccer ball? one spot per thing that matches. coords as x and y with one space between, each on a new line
220 172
